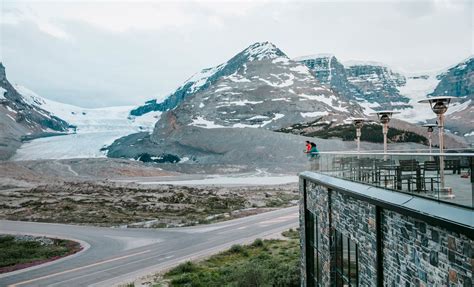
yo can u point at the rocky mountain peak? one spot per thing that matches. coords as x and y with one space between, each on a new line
457 81
201 81
371 84
263 51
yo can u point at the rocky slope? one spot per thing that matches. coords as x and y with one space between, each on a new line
376 86
457 81
372 85
205 78
232 120
20 116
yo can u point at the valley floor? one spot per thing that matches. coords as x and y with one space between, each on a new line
110 192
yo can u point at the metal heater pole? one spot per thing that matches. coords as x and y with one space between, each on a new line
385 131
430 140
358 133
441 150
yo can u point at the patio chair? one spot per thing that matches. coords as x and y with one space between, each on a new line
408 171
430 174
384 171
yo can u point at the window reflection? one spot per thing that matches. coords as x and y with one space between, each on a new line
347 267
313 255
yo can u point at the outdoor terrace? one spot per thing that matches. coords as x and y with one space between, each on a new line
416 173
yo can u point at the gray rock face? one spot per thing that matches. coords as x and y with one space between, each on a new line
18 118
457 81
269 94
232 118
205 78
360 82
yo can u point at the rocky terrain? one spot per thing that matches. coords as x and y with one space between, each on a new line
112 192
19 116
112 204
376 86
368 83
230 117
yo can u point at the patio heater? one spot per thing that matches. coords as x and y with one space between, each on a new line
358 123
439 105
430 133
384 118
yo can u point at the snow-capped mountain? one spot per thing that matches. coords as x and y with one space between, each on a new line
372 85
265 91
376 86
457 81
206 77
19 117
24 115
90 120
268 90
91 130
24 112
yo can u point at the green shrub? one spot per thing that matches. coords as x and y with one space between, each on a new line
185 267
236 248
258 243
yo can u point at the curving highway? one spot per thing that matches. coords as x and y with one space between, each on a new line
113 256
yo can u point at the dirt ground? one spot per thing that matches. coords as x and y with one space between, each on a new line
86 191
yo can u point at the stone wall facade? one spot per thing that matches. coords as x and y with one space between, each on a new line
414 253
419 254
356 220
317 198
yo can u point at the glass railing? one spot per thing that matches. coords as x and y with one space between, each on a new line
443 177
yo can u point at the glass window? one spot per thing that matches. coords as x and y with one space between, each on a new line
353 271
345 255
347 268
309 233
313 254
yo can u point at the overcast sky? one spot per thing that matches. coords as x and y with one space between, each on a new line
102 53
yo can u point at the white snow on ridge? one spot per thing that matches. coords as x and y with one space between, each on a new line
238 103
284 83
302 69
225 88
281 60
93 120
314 114
417 87
281 99
257 118
201 78
326 100
262 51
352 63
238 79
367 106
201 122
314 56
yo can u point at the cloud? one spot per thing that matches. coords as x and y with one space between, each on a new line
122 16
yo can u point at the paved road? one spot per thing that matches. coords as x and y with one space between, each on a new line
120 255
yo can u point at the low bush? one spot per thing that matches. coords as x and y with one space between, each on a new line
263 263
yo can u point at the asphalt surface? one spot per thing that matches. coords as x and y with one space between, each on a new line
114 256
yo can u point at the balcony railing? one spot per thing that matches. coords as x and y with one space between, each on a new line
418 173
